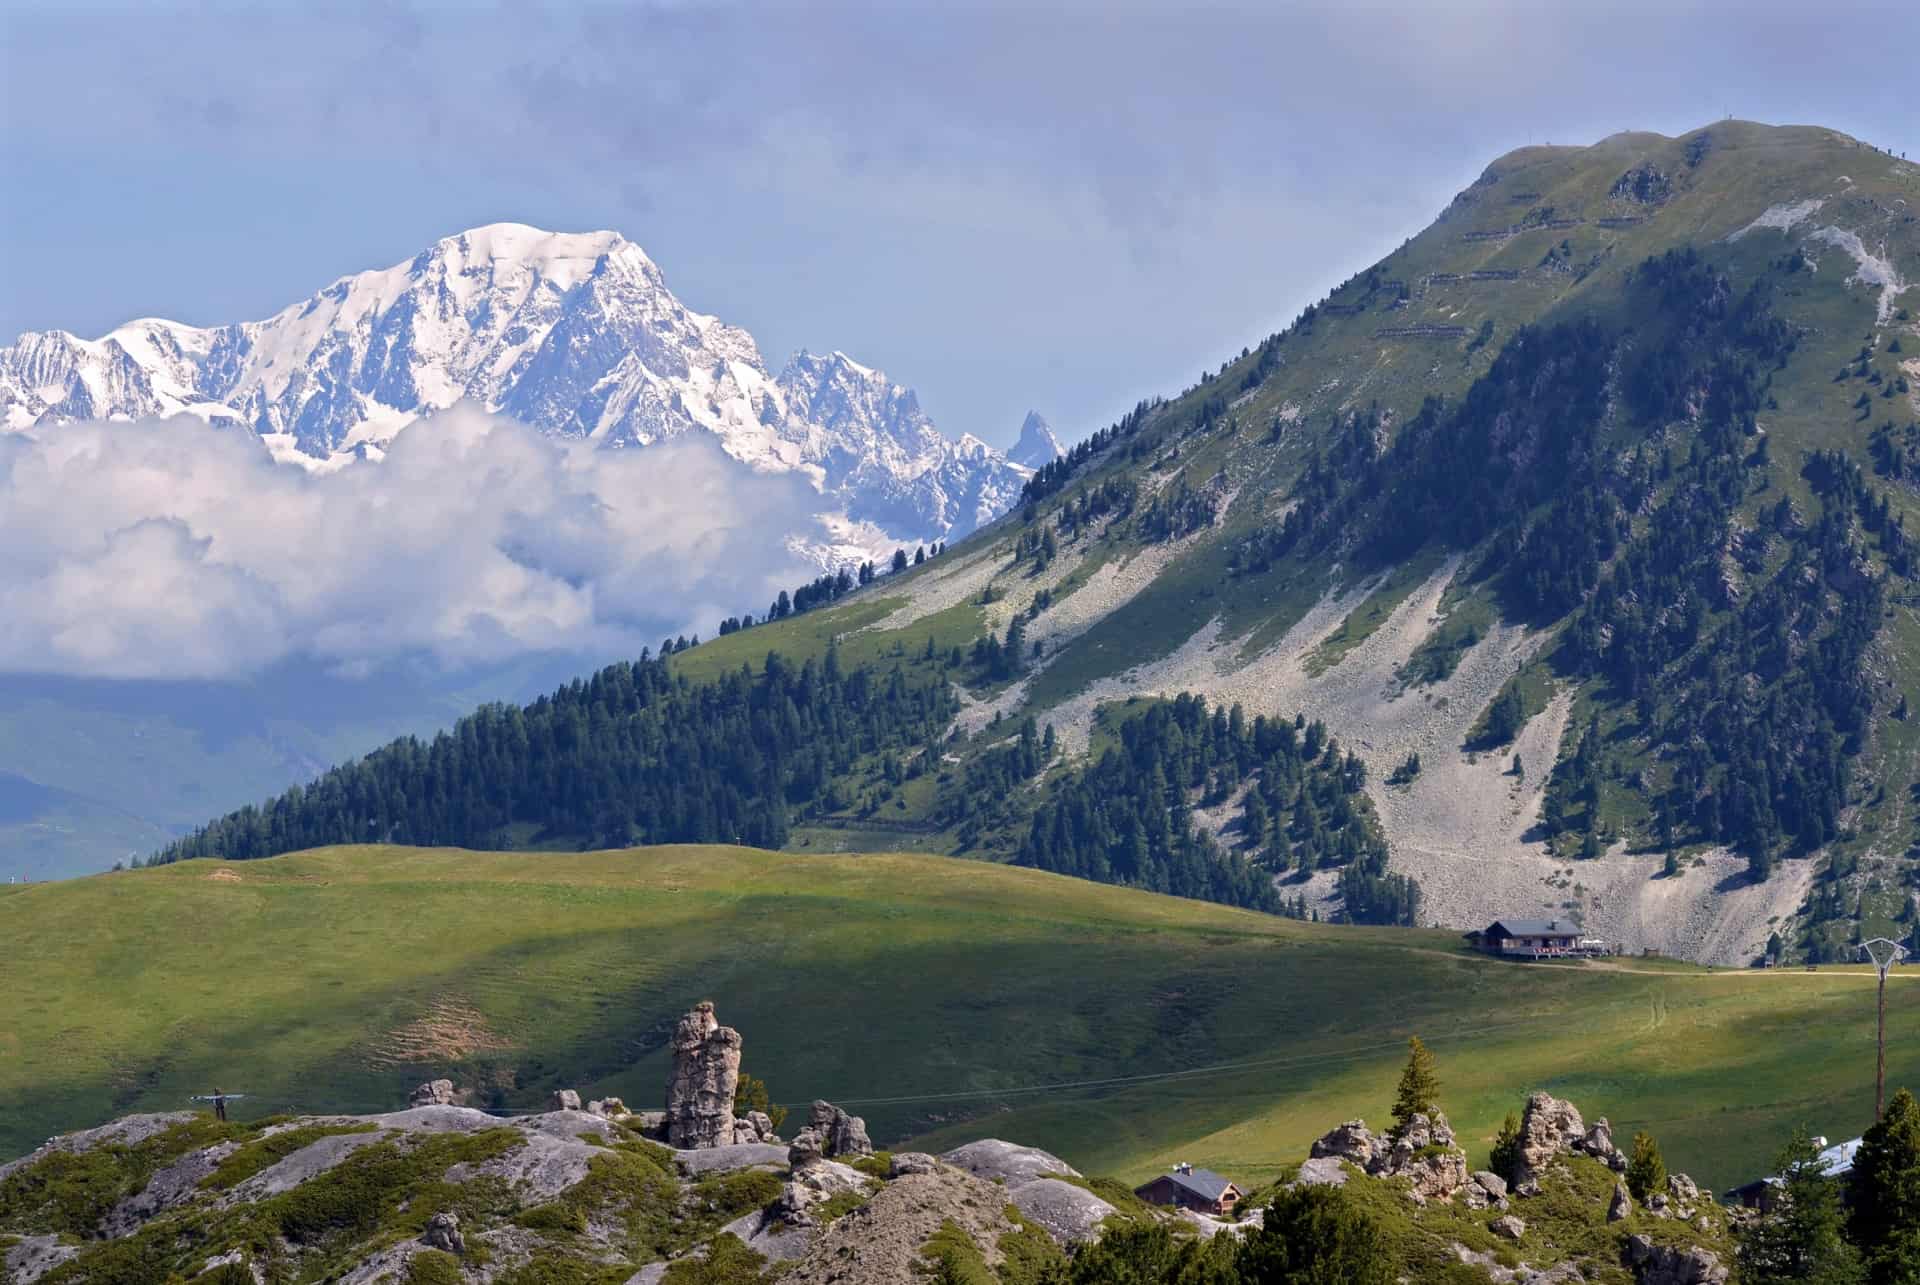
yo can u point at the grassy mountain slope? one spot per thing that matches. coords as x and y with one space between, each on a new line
1435 569
937 998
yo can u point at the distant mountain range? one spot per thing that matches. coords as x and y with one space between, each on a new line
575 334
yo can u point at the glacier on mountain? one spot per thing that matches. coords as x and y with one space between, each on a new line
574 334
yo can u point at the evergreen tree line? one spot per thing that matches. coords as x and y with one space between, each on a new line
1052 476
634 754
830 587
1127 817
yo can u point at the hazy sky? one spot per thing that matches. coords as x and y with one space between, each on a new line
1062 206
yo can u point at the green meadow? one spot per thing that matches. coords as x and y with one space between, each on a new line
942 999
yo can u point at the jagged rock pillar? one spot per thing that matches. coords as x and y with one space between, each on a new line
706 1072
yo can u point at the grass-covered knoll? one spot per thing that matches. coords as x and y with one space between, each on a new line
942 1000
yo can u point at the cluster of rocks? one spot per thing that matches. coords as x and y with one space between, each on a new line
1425 1152
830 1133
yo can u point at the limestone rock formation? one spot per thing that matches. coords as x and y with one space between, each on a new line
1327 1171
564 1100
1673 1264
1349 1141
1425 1152
611 1108
1621 1205
1548 1126
706 1072
754 1126
434 1093
443 1232
906 1162
845 1135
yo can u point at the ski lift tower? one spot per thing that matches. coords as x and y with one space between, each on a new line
1884 954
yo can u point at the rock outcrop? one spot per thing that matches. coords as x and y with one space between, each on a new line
1673 1264
434 1093
1425 1152
754 1126
829 1132
1550 1127
700 1090
564 1100
443 1232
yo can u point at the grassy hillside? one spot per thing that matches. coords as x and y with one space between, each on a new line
940 999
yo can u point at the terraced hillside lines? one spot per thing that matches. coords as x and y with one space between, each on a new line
940 998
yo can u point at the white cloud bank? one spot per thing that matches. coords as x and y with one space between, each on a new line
176 550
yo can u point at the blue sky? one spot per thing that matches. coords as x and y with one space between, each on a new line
1064 206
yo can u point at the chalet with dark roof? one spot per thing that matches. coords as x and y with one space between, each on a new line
1534 939
1200 1190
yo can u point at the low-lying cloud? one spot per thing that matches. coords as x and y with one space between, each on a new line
173 549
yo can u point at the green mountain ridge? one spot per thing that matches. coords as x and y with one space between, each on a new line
1577 523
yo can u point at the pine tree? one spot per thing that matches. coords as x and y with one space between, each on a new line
1315 1236
1419 1086
1883 1214
1505 1158
1801 1242
1646 1171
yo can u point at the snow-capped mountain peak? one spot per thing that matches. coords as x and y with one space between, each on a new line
575 334
1037 447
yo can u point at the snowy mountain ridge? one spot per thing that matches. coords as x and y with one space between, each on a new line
575 334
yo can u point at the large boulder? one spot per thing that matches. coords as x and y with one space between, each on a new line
434 1093
704 1078
1007 1162
443 1232
1548 1126
1621 1206
564 1100
840 1134
1673 1264
1065 1212
754 1126
1349 1141
1322 1171
700 1161
1435 1176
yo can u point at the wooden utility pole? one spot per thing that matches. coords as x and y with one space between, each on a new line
1884 954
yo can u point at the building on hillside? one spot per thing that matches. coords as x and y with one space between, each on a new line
1201 1190
1534 939
1836 1160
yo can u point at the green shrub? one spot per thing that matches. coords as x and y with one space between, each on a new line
878 1165
432 1267
1028 1254
727 1196
266 1152
1319 1236
838 1205
953 1259
728 1261
553 1218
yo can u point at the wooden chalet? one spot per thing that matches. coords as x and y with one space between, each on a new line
1200 1190
1534 939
